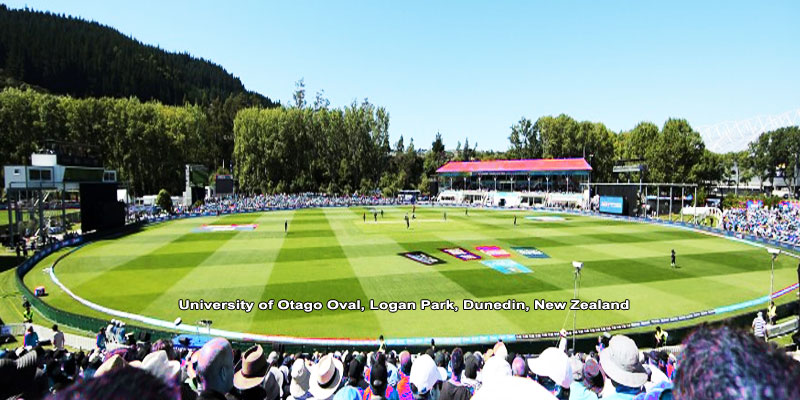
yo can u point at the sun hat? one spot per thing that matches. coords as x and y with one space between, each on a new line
592 378
512 387
554 364
114 363
495 367
300 374
620 361
424 374
326 377
254 369
158 364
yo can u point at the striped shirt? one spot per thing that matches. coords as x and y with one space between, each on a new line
758 326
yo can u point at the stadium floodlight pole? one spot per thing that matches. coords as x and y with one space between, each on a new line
774 253
578 266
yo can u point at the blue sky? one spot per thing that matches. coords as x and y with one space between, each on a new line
472 69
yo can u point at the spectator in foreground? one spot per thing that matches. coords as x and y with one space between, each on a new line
351 390
254 370
727 363
512 387
424 376
553 371
620 363
125 383
404 370
298 388
378 380
326 377
471 368
215 368
577 389
453 389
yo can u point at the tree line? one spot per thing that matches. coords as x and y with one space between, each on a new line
146 142
67 55
315 147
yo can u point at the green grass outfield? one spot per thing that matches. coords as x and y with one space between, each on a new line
332 254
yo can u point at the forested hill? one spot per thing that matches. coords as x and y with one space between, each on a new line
66 55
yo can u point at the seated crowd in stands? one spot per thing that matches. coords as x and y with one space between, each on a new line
715 363
243 203
776 223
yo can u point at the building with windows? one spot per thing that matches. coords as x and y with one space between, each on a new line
512 183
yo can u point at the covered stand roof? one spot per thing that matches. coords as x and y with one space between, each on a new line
542 166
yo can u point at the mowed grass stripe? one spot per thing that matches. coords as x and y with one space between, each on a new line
334 279
145 279
226 275
105 255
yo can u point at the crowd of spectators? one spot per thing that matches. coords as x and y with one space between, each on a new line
262 202
775 223
716 363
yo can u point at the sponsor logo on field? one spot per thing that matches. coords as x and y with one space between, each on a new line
422 257
461 253
545 218
530 252
493 251
226 228
507 266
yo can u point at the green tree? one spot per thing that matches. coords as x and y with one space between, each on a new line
299 95
164 201
675 152
776 153
525 140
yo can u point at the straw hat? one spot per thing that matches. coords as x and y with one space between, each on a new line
326 377
254 369
114 363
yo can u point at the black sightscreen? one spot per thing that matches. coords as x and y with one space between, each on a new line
100 209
